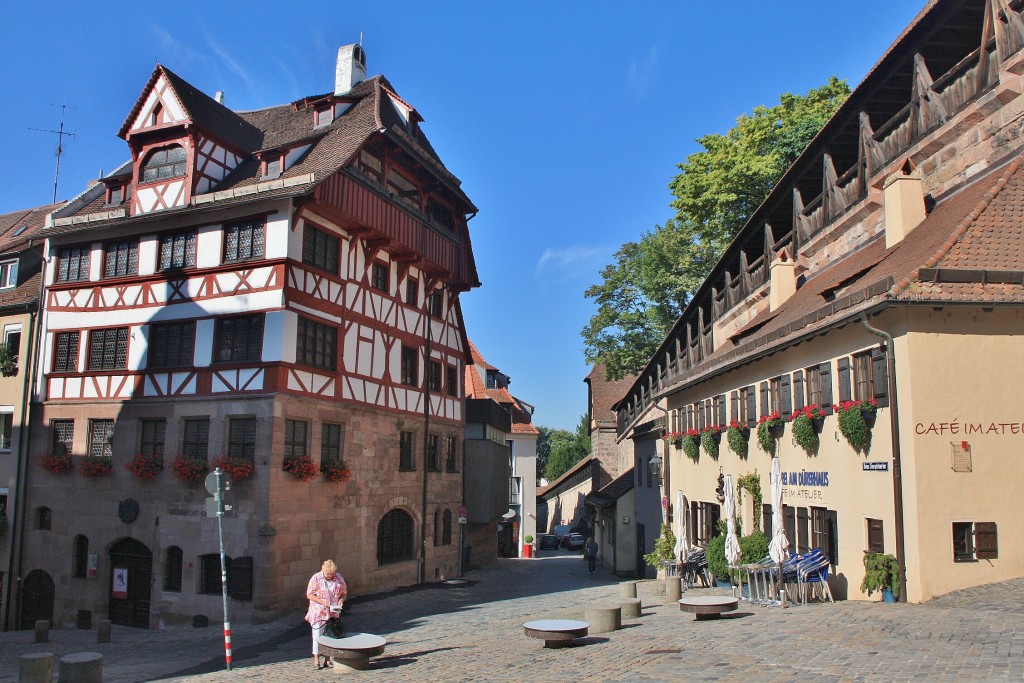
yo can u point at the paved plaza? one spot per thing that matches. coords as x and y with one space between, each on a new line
474 633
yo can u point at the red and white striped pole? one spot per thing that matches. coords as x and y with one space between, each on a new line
227 643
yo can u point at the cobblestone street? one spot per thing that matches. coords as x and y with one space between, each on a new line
474 632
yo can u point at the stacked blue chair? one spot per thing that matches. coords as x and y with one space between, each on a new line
815 575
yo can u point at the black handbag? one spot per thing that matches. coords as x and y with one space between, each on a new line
334 628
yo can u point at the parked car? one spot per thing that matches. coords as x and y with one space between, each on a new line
547 542
574 542
561 531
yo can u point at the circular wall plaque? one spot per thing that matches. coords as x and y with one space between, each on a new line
128 510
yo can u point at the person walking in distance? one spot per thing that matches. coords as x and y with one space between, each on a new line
326 588
590 553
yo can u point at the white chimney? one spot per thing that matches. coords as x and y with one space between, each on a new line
351 68
903 197
219 97
782 277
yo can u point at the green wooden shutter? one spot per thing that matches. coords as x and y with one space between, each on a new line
880 376
734 399
721 411
751 407
764 398
825 371
798 390
845 393
832 536
786 400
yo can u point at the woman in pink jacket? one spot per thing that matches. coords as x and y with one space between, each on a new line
326 588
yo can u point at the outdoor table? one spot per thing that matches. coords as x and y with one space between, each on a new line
556 632
708 606
353 651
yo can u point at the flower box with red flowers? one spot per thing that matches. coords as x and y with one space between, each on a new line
57 464
145 466
691 444
95 466
238 467
335 471
301 467
189 469
769 428
673 438
855 421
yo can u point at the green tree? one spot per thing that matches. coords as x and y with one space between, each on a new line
567 448
644 291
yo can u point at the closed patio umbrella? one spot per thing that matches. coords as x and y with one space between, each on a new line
682 546
779 546
732 544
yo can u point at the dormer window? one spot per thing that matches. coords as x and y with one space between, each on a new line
274 168
115 195
324 117
163 164
8 274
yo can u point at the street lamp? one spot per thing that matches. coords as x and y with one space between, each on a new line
656 468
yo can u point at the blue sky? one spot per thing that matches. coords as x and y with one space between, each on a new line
564 120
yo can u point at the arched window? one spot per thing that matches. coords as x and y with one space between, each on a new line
80 559
394 537
446 530
164 163
44 518
437 526
172 569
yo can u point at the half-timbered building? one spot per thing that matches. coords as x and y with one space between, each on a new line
275 291
884 271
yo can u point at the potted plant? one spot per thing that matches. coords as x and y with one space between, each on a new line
737 436
57 463
335 471
189 469
852 425
8 360
238 467
710 440
664 549
146 466
806 424
96 466
881 573
768 429
301 467
691 444
528 545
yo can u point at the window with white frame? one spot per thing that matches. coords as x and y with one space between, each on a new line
8 274
6 427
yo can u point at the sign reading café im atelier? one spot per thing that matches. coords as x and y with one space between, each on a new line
957 428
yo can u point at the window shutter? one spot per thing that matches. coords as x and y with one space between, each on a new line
786 402
721 410
825 371
734 399
844 380
880 376
832 536
986 542
802 521
687 411
798 390
789 524
764 398
708 413
766 520
751 407
876 537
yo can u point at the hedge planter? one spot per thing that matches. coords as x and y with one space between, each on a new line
769 428
737 438
710 440
852 424
691 445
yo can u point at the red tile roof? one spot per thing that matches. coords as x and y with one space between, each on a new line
476 387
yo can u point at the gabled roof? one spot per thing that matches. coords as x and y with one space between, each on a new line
288 126
12 236
605 393
202 110
475 387
612 491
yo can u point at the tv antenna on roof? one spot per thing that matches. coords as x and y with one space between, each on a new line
61 134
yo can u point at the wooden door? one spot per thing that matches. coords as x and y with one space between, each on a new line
130 583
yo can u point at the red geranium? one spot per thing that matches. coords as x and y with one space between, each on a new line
58 464
335 471
237 467
188 469
146 466
301 467
94 466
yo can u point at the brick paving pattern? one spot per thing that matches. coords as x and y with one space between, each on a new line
474 632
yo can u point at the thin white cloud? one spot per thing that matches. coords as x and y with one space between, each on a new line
170 51
642 69
568 262
232 65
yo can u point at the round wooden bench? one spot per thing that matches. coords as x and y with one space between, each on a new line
353 651
708 606
556 632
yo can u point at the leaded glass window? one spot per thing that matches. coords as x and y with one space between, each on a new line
163 164
101 436
65 352
320 249
331 442
239 339
295 439
394 537
316 344
244 240
171 345
121 259
108 349
242 437
73 264
177 250
196 438
152 442
63 432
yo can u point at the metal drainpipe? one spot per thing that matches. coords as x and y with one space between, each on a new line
897 472
422 578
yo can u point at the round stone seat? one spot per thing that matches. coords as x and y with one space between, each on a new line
708 606
353 651
556 632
